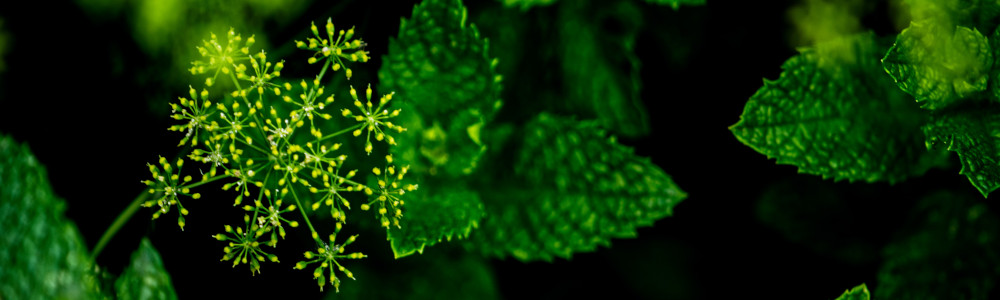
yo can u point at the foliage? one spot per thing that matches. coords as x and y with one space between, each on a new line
145 277
857 293
838 116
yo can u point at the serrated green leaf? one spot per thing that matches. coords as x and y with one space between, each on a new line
441 68
579 189
833 113
145 277
939 65
600 68
857 293
441 211
948 252
973 134
42 255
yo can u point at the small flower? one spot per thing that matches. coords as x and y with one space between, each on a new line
244 178
335 51
196 113
243 246
373 119
309 106
333 185
168 185
387 194
263 74
269 218
326 255
219 58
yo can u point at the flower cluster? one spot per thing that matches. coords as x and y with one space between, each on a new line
272 143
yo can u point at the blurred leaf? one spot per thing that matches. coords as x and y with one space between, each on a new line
439 212
951 252
441 68
42 255
432 275
973 134
145 277
857 293
832 113
938 64
526 4
580 190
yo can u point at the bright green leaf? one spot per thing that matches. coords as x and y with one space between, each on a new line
938 64
973 134
145 277
857 293
578 190
980 14
439 212
833 113
441 67
42 255
948 251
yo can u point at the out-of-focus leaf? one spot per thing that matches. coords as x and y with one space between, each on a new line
441 68
857 293
42 255
526 4
833 113
938 64
974 134
439 212
579 189
951 253
145 277
980 14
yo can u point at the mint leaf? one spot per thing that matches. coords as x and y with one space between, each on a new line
950 252
145 277
857 293
441 67
578 189
939 64
973 134
980 14
833 113
441 212
42 255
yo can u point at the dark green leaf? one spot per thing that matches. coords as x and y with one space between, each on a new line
439 212
833 113
441 67
145 277
973 134
857 293
41 252
578 190
939 64
951 252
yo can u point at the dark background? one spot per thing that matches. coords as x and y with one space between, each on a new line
77 91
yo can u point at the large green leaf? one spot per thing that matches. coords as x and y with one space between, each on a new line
857 293
973 133
577 190
833 113
981 14
439 212
42 255
441 67
950 251
939 64
145 277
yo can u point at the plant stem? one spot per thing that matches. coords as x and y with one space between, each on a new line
119 222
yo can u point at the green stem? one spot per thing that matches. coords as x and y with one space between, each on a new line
342 131
119 222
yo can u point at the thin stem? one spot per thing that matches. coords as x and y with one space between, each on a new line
304 216
119 222
342 131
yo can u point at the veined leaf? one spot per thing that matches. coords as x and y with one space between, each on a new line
939 64
42 255
857 293
832 113
580 189
145 277
975 135
441 67
441 211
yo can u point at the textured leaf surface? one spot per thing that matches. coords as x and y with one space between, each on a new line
857 293
441 67
599 66
939 64
580 189
441 212
951 253
974 134
145 277
832 113
42 255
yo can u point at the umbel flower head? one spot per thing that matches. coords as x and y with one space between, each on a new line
388 193
326 257
334 51
169 186
219 58
373 119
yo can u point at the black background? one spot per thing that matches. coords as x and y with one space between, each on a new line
76 91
